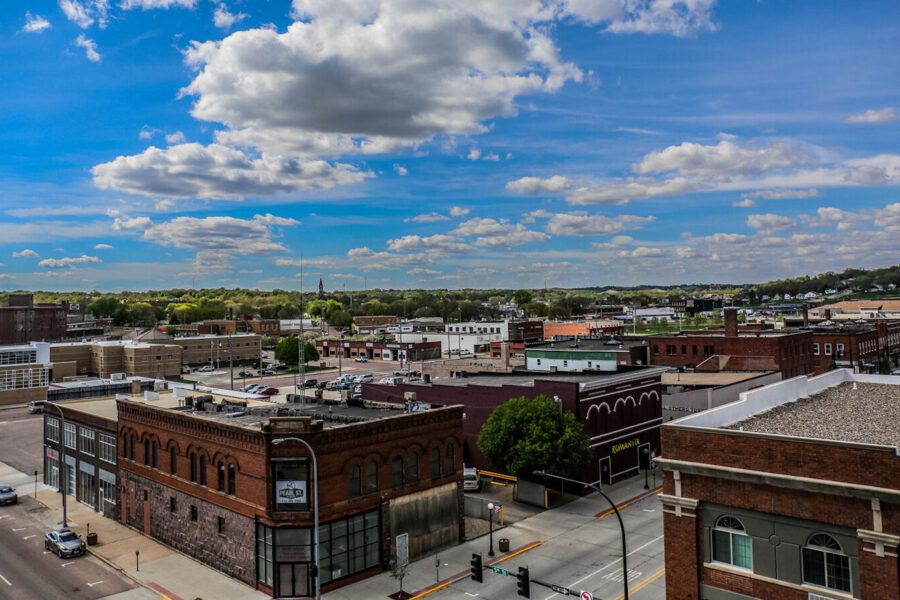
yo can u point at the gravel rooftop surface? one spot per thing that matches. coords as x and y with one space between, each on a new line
870 415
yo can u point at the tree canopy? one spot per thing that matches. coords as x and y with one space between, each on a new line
287 352
523 435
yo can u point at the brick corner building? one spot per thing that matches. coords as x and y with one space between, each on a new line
792 492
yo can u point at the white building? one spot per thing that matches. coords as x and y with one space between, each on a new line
453 343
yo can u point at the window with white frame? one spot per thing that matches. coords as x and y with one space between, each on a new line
52 429
69 436
840 349
825 564
86 441
828 349
815 349
731 544
107 448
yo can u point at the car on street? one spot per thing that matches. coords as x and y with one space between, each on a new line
8 494
402 372
65 543
36 406
206 369
309 383
361 359
391 380
322 385
471 480
253 387
266 391
245 373
268 371
366 378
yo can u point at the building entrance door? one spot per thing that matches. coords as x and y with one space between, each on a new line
70 480
293 580
605 471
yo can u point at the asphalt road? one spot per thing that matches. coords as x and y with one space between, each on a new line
582 553
21 440
28 572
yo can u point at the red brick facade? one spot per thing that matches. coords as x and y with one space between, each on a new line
814 484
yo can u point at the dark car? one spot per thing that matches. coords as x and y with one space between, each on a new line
245 373
322 384
65 543
309 383
7 494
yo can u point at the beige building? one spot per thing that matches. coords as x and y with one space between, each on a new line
217 349
102 359
24 372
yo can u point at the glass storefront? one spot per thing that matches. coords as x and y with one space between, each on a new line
285 555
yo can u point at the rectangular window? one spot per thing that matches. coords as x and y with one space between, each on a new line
194 514
69 436
107 448
350 545
827 349
171 503
52 429
220 525
655 349
86 441
291 485
840 349
107 492
815 349
694 350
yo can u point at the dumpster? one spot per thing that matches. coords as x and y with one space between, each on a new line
504 544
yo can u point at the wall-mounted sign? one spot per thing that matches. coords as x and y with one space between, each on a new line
621 446
290 491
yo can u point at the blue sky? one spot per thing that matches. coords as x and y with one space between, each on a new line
427 143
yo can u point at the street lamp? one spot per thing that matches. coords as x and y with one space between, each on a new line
63 476
616 510
278 441
491 520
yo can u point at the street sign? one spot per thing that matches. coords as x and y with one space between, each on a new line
587 596
560 589
499 571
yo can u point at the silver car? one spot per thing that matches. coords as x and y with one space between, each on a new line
7 494
65 543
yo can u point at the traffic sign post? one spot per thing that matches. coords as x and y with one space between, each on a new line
587 596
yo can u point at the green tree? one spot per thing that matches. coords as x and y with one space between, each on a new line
104 307
287 352
884 366
524 435
521 297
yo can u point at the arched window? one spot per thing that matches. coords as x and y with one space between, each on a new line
731 544
173 461
412 468
153 454
449 461
232 474
398 472
220 476
202 469
147 452
825 564
371 477
193 466
435 463
131 442
355 482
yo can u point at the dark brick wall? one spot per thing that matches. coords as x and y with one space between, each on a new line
232 552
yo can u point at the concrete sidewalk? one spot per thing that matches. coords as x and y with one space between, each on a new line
423 578
168 573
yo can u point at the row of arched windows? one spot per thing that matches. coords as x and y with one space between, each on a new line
226 473
401 474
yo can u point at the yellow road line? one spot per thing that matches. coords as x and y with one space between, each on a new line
526 549
431 591
643 584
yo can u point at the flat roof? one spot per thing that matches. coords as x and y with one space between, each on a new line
710 378
527 378
105 407
588 345
867 413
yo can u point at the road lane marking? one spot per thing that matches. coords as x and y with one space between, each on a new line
601 569
95 583
4 517
20 529
28 537
620 507
6 580
643 584
616 576
525 549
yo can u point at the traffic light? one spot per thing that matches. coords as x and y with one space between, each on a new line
523 585
476 568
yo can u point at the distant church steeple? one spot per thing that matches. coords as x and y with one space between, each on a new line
321 289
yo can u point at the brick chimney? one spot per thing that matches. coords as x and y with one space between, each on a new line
731 322
827 314
805 314
504 356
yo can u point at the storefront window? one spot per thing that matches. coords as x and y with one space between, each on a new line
291 484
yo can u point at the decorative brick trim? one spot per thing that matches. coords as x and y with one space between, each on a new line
678 506
881 542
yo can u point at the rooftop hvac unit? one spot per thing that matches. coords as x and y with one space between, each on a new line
117 376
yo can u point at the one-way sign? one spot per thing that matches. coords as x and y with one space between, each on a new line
560 589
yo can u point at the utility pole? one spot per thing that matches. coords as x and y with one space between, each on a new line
302 339
230 361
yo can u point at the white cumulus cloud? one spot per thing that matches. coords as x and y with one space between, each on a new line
431 217
224 19
874 116
175 138
67 262
102 247
725 157
35 23
90 48
770 222
458 211
536 185
26 253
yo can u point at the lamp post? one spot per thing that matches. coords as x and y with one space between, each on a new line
63 476
491 521
618 516
278 441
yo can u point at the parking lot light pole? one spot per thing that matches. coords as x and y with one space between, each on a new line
63 477
491 521
312 453
618 516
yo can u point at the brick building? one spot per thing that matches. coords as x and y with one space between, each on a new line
789 352
792 493
860 345
373 324
590 328
23 321
217 349
208 479
620 412
409 351
103 359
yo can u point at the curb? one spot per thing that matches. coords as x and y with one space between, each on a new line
621 505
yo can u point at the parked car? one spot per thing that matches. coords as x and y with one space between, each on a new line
65 543
251 388
366 378
269 371
322 385
8 494
402 372
267 391
391 380
309 383
245 373
471 480
36 406
361 359
206 369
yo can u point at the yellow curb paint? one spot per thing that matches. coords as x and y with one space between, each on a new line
643 584
526 549
431 591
